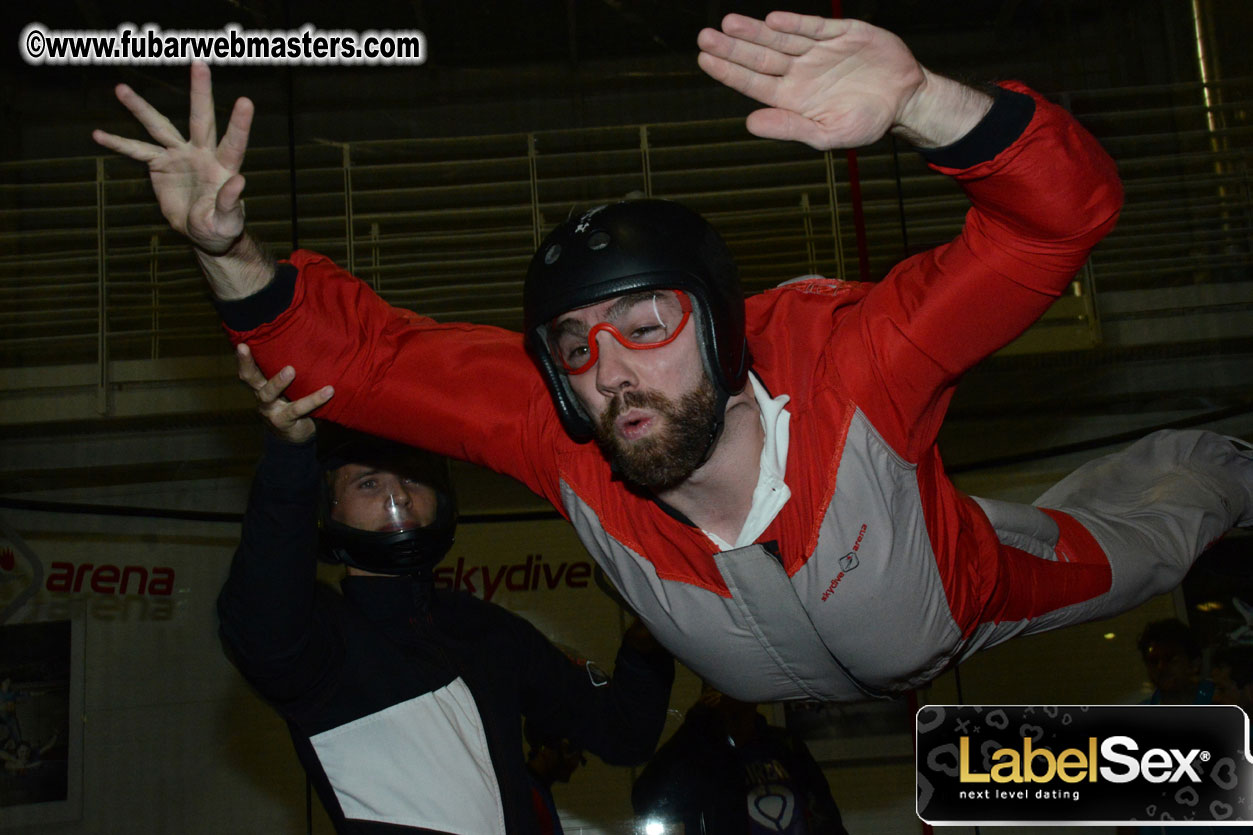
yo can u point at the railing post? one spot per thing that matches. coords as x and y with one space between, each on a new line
646 161
375 280
1246 192
1084 286
154 244
350 253
536 220
810 249
833 202
102 298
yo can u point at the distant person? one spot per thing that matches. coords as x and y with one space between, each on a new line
9 697
1231 670
552 758
26 756
1172 658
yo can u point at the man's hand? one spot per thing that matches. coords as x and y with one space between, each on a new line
835 83
287 419
196 180
198 184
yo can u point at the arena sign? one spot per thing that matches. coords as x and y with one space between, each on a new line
1098 765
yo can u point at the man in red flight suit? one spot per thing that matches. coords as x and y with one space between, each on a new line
765 490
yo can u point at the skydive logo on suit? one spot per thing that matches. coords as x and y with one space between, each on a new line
847 563
533 574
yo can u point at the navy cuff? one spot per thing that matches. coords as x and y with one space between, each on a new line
1002 125
263 306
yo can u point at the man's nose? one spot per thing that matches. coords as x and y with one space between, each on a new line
614 370
399 493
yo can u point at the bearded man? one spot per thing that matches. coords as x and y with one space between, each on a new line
770 499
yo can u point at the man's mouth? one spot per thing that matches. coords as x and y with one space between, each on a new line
634 424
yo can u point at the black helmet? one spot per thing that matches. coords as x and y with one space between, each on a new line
626 247
409 551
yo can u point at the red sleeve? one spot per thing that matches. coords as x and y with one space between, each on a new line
466 391
1039 206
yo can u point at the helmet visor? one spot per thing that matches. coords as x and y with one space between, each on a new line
399 514
405 550
639 321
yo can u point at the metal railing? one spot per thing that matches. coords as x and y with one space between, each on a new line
90 275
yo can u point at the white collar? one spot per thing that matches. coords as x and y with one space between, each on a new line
771 492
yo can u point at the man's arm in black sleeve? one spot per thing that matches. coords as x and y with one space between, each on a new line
279 640
619 721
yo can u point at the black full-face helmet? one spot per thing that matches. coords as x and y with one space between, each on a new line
412 551
624 248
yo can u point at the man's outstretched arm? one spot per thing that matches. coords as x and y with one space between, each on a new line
198 184
1042 191
398 375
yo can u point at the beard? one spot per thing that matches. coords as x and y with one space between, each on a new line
669 455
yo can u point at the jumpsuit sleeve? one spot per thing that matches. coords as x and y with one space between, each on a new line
1043 193
274 632
470 392
619 720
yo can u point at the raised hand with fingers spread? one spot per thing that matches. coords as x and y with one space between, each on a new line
196 180
198 184
835 83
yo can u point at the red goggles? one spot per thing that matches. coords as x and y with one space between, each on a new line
639 321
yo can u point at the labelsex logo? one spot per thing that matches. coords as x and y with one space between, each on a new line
1039 765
